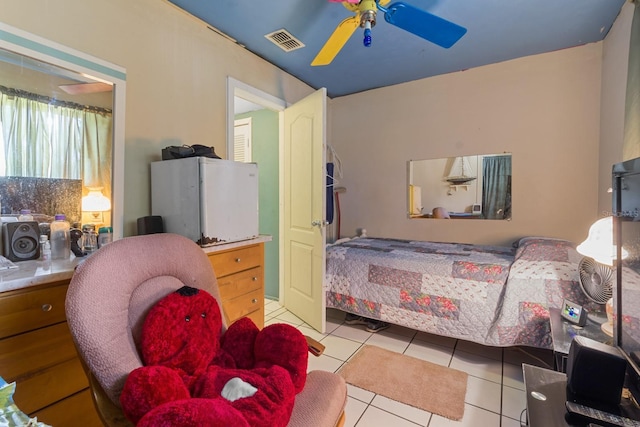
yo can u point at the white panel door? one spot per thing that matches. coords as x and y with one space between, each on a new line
304 209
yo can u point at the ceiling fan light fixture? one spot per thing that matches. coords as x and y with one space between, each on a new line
368 16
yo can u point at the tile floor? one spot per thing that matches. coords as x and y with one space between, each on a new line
495 390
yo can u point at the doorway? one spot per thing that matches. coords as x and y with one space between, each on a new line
262 110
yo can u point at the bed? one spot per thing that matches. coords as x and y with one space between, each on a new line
492 295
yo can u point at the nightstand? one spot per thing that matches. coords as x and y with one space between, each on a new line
562 333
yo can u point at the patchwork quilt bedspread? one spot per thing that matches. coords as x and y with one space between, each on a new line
491 295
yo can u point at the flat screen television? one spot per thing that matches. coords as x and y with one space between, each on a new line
626 304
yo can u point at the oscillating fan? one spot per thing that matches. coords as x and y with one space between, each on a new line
596 271
416 21
596 280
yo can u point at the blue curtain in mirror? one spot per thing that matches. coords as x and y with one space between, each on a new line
496 187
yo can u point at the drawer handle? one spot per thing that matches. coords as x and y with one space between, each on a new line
253 301
254 278
237 259
47 307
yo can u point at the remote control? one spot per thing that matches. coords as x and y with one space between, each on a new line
600 417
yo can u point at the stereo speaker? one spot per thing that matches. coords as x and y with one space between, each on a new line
150 225
595 372
21 240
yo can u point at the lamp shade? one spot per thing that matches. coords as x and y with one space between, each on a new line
95 201
599 243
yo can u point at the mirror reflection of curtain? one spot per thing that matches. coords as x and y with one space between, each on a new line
54 140
631 148
496 187
97 158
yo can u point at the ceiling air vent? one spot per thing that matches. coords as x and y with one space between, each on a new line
284 40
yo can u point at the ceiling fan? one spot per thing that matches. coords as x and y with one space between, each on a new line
416 21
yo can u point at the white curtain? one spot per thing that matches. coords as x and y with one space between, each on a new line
44 140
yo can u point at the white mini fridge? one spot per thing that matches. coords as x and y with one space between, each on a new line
210 201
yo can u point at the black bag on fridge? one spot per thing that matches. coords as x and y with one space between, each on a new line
182 151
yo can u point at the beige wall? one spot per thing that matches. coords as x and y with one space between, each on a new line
176 74
544 109
614 82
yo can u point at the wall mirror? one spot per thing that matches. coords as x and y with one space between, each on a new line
61 132
467 187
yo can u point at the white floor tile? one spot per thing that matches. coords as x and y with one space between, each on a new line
532 356
483 394
374 417
473 417
512 376
436 339
393 342
340 348
408 412
291 318
331 325
323 363
353 411
401 330
270 306
360 394
307 330
478 366
513 402
430 352
479 349
278 311
353 333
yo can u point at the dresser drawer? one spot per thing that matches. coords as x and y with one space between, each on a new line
243 305
234 285
50 385
233 261
24 354
23 311
74 411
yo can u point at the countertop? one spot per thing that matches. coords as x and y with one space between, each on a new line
33 273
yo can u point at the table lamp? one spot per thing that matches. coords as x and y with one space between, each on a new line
95 203
596 267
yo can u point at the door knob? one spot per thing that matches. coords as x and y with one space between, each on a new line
319 223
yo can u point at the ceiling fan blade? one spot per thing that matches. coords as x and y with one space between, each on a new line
340 35
423 24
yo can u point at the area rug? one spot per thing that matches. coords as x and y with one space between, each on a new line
421 384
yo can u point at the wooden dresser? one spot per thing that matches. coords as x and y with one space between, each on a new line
240 273
37 352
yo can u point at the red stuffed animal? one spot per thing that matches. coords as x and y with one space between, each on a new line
195 376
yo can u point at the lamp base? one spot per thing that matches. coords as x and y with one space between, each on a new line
607 328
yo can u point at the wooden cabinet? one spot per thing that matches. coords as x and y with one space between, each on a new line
240 274
37 352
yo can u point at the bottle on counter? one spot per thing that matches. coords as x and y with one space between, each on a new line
60 243
25 215
45 248
105 236
89 239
